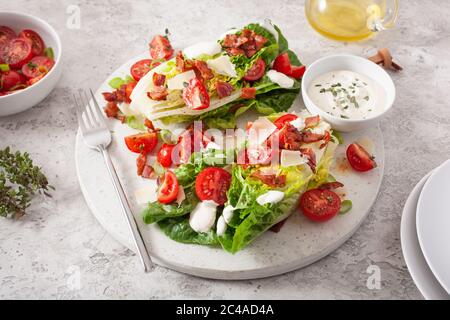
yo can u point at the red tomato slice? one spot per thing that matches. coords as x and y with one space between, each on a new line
18 52
281 121
165 155
320 205
212 184
128 90
359 158
141 68
6 35
37 46
195 95
9 80
168 190
297 72
37 66
160 48
282 64
142 142
248 93
256 71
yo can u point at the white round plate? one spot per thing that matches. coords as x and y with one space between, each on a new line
299 243
433 223
418 268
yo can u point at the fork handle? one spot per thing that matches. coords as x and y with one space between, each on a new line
137 237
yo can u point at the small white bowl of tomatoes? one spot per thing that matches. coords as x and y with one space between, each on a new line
30 61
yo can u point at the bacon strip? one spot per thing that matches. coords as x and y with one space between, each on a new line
248 43
309 153
277 227
272 180
331 185
158 93
159 79
201 70
312 121
223 89
384 58
111 109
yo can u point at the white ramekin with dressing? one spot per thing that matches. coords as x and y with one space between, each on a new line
349 92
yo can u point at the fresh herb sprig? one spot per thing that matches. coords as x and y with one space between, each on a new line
20 180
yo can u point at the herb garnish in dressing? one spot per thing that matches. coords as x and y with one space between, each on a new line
347 95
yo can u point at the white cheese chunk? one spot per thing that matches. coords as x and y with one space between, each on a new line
321 128
221 226
270 197
222 65
298 123
203 216
280 78
260 130
205 47
147 194
292 158
177 82
227 213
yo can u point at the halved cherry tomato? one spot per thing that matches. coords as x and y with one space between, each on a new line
168 190
9 80
212 184
37 45
359 158
142 142
248 93
37 66
256 71
280 122
6 35
320 205
297 72
142 67
282 64
165 155
195 95
129 89
160 48
18 52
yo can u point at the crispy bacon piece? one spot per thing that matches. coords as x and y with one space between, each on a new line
149 124
111 109
312 121
272 180
159 79
148 172
277 227
248 43
325 139
180 63
331 185
290 138
248 93
109 96
141 161
201 70
158 93
309 136
309 153
223 89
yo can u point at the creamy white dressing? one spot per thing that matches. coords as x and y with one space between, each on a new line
270 197
203 216
347 94
221 226
227 213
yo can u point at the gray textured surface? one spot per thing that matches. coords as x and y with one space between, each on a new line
39 253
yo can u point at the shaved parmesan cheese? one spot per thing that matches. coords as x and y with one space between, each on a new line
260 130
147 194
222 65
270 197
292 158
203 216
181 196
280 78
209 48
177 82
298 123
126 109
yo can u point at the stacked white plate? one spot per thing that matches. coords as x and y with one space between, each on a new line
425 233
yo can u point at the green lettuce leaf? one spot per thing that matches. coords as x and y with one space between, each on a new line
135 122
157 211
178 229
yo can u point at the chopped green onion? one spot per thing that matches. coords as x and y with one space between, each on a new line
346 206
4 67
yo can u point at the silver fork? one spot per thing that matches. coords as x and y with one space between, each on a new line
97 136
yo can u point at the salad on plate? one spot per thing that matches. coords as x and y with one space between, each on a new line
212 183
